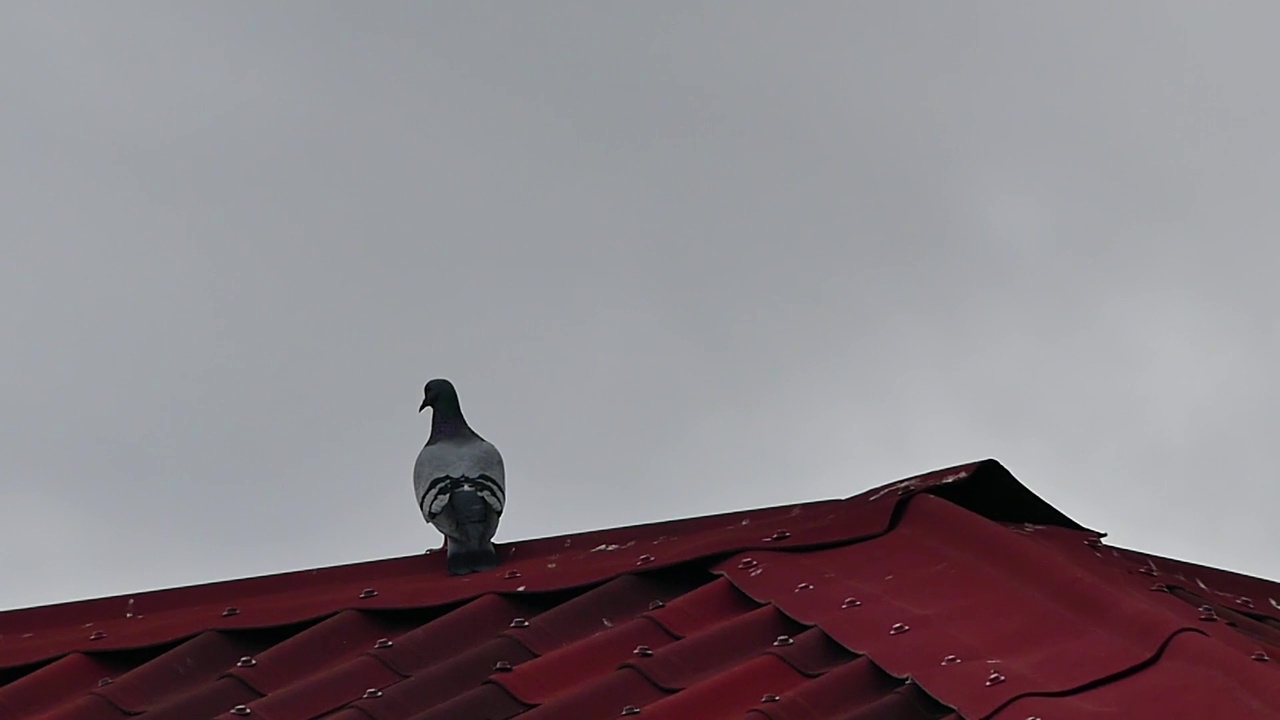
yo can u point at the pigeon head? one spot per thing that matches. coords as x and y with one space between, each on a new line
439 394
447 422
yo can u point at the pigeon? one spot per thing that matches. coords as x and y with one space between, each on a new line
459 481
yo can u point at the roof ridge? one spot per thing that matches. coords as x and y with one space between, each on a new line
935 482
562 562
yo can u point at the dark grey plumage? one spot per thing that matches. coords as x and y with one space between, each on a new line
459 481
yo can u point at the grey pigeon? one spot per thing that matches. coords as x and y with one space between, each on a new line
459 483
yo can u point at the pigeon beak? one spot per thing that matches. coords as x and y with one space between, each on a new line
423 406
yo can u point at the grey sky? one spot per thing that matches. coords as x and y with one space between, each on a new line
678 258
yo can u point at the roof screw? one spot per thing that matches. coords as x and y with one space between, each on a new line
231 612
804 586
631 710
1159 587
107 681
246 661
850 602
241 710
644 559
1148 570
769 697
519 623
950 660
1244 601
367 593
783 640
1258 655
511 575
746 563
382 643
899 628
97 635
779 535
1093 542
656 604
642 651
995 678
372 693
1208 614
502 666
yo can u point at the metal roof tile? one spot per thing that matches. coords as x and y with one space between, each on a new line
707 605
603 696
731 692
73 674
1194 677
948 583
908 702
611 604
483 617
684 664
958 589
192 664
542 679
487 702
325 691
813 653
333 641
205 701
844 690
464 667
85 707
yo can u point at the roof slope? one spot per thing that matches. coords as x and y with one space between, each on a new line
955 594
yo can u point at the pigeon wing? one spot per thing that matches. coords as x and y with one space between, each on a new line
444 468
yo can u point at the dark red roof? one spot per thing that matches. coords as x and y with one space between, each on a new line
956 594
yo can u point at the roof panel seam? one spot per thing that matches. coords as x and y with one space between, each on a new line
1106 679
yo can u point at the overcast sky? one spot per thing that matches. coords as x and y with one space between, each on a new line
678 258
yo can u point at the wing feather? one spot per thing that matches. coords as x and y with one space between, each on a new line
445 467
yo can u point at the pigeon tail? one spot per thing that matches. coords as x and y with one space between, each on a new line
463 559
472 551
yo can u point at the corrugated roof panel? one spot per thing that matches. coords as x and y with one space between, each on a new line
189 666
73 675
605 695
843 692
700 656
206 701
1193 677
326 691
85 707
949 584
419 648
536 566
731 691
487 702
543 679
955 594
